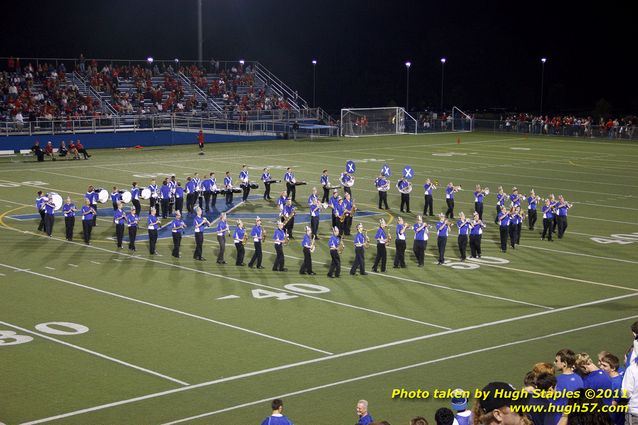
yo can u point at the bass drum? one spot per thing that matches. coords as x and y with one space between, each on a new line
103 196
126 196
57 201
146 193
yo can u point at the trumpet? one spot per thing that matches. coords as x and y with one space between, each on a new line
457 188
436 183
486 191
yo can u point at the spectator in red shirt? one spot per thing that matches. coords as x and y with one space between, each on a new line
82 150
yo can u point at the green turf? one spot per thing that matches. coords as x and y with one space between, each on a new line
169 340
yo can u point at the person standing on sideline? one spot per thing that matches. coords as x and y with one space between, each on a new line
277 417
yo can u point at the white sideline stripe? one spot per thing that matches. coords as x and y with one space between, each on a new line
49 268
580 254
234 279
321 359
73 265
161 307
398 369
95 353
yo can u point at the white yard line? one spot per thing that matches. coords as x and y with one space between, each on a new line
173 310
95 353
346 354
579 254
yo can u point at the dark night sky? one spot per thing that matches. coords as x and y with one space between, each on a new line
493 49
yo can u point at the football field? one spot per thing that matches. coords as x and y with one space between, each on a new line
92 334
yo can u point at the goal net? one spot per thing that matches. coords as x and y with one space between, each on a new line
357 122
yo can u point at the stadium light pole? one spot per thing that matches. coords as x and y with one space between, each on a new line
314 81
543 60
408 64
443 60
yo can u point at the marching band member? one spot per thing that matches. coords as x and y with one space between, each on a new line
115 197
503 221
222 230
135 197
428 187
308 245
554 203
288 217
315 212
517 222
400 244
200 224
421 232
165 198
257 233
245 183
476 233
515 197
266 178
500 202
198 192
49 215
404 187
335 260
382 185
289 178
69 210
449 199
207 187
464 229
548 218
152 224
360 241
325 183
213 198
313 198
179 197
40 200
442 229
347 181
177 227
228 185
88 213
479 196
119 218
153 188
332 203
172 185
281 202
238 237
92 196
191 194
337 213
279 238
382 240
132 220
532 201
348 210
561 215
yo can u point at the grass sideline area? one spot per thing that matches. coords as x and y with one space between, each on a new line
103 336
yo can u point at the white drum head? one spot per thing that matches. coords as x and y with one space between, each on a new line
57 200
126 196
103 196
146 193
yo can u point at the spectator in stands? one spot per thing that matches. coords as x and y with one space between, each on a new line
37 151
81 150
73 150
568 380
496 410
48 150
62 150
462 415
593 377
277 417
19 120
419 420
362 411
609 364
444 416
545 383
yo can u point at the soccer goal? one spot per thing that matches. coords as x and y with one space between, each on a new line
357 122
